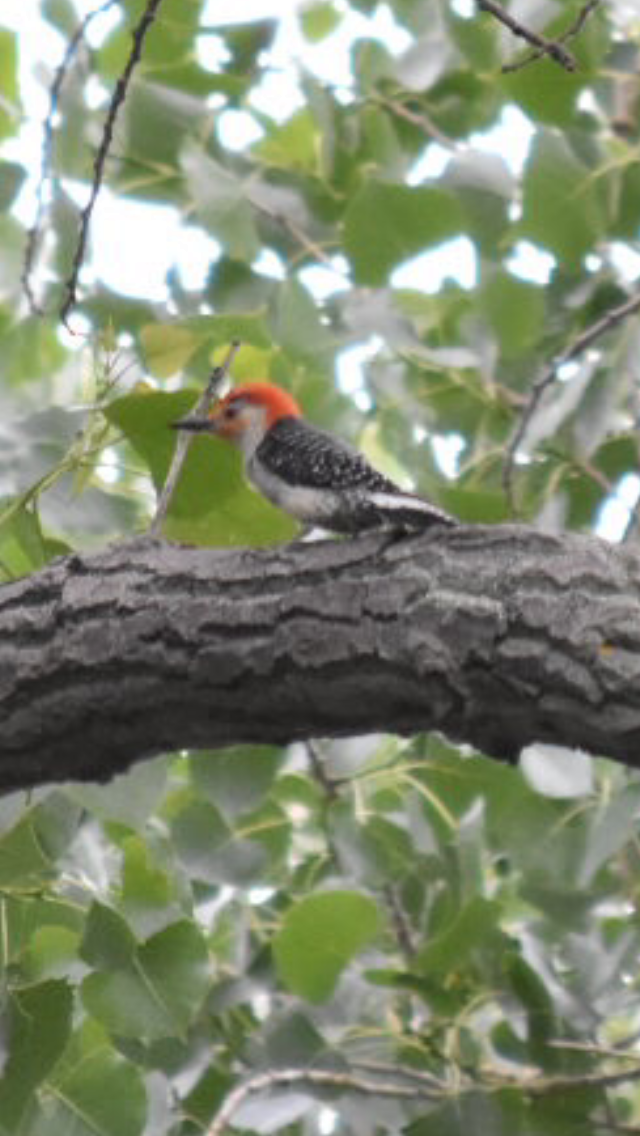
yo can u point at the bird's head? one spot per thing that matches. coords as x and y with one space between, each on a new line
244 415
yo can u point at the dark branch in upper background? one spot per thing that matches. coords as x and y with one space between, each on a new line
33 235
118 97
184 439
549 375
570 33
550 47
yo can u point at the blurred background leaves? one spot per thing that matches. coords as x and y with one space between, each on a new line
405 248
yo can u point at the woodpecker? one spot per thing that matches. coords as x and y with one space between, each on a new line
310 474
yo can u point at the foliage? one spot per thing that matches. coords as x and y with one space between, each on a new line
385 913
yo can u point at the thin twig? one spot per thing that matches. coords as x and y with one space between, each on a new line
411 1074
570 33
426 1089
329 784
316 1078
31 246
184 439
416 118
401 926
548 47
550 1085
117 99
549 375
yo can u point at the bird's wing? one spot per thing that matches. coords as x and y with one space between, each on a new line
304 455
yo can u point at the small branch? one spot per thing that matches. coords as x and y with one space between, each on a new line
31 246
546 1086
548 47
316 1078
427 1088
570 33
416 118
329 784
118 97
548 378
406 1072
401 926
185 439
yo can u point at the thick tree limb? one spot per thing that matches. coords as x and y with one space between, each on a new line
496 636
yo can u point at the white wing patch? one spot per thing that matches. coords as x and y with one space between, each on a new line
389 502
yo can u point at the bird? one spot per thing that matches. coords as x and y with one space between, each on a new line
312 475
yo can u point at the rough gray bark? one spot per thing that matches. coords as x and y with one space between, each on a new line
496 636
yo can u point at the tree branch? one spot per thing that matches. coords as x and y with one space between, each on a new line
315 1078
548 377
575 29
117 99
496 636
550 47
33 235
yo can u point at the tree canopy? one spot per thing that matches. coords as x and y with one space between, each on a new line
422 219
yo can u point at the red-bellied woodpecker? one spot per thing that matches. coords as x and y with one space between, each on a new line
316 478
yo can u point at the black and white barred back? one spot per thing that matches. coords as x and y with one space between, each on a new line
322 480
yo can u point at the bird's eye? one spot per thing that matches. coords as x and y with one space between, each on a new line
232 411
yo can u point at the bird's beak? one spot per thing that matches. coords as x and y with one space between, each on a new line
196 425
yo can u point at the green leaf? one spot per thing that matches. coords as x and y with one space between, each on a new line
219 202
549 93
22 858
39 1026
472 927
52 953
30 348
108 942
95 1092
562 206
386 223
23 547
169 346
531 992
319 937
515 309
297 327
11 179
159 993
628 193
149 891
9 108
212 503
236 779
319 20
294 145
62 14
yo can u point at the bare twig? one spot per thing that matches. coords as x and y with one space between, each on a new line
545 1086
316 1078
33 235
570 33
329 784
416 118
406 1072
426 1088
184 439
118 97
549 375
548 47
401 926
